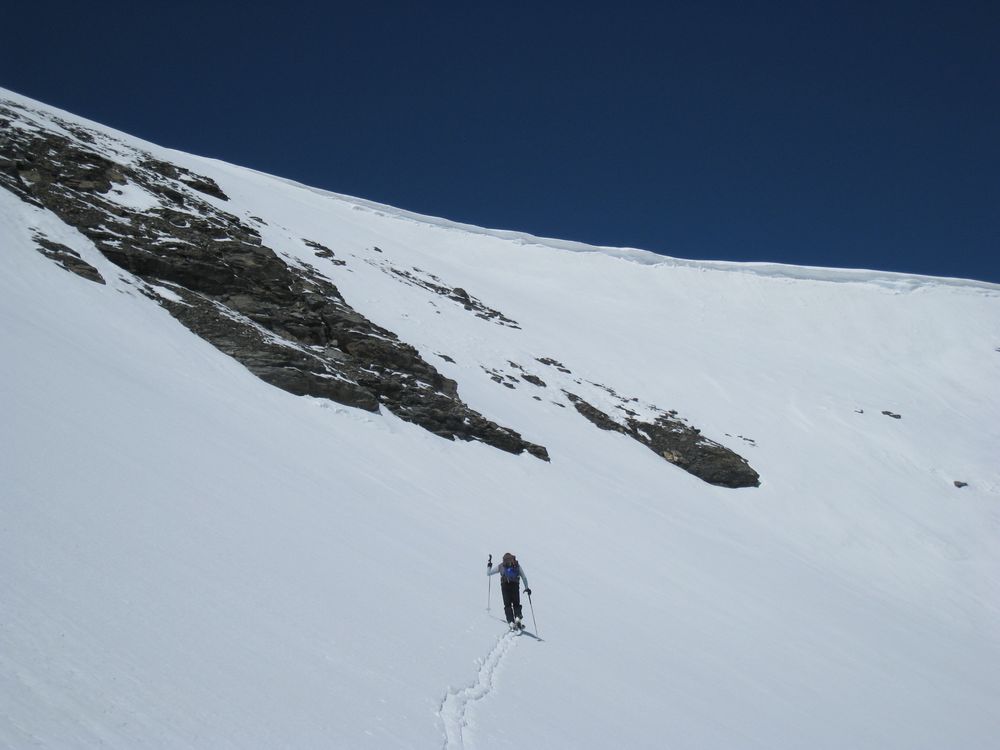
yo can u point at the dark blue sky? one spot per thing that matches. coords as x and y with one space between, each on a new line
838 134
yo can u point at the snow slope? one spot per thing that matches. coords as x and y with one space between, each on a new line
193 559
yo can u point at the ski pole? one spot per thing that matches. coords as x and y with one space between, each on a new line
489 583
533 622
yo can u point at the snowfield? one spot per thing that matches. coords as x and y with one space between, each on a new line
191 558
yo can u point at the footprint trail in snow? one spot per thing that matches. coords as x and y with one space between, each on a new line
456 703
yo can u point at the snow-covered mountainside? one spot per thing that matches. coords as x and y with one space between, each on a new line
259 440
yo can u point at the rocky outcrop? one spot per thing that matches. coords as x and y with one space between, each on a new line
664 432
67 258
286 323
419 278
680 444
274 312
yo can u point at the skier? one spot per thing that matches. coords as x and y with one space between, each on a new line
510 571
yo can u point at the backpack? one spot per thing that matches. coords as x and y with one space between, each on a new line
511 572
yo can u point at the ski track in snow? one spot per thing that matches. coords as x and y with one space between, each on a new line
455 706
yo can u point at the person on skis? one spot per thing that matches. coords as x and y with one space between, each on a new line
511 574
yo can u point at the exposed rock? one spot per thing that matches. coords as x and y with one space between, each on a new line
287 324
202 184
960 485
322 251
205 185
553 363
890 414
432 283
67 258
495 376
666 433
499 376
680 444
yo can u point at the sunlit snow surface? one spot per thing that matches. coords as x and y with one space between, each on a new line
192 558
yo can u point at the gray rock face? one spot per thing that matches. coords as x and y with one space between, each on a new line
67 258
418 278
680 444
288 325
283 320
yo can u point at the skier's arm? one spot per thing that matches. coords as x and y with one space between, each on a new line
493 570
523 576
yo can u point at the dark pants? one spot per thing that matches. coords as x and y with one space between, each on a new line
511 591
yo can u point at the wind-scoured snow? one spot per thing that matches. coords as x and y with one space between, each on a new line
192 558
